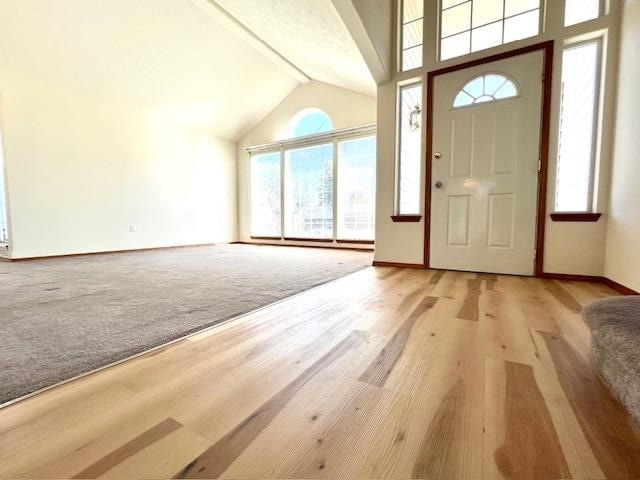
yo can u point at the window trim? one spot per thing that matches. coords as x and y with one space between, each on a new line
596 132
506 76
334 137
250 170
399 216
603 6
401 49
541 16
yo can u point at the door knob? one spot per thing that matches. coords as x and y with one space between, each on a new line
437 155
438 184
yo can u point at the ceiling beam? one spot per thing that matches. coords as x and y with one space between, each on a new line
215 11
378 34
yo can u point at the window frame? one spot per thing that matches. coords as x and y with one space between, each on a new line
334 137
400 39
541 16
336 185
596 130
506 76
399 216
602 10
250 170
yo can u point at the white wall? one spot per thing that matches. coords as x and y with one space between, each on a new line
570 248
81 169
622 263
346 108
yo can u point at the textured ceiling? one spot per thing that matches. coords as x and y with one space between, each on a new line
160 53
311 35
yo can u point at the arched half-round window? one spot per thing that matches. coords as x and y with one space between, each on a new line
486 88
310 122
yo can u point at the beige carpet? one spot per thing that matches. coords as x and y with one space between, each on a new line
63 317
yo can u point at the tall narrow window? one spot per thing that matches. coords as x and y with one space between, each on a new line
309 192
265 195
578 11
4 233
474 25
577 141
357 189
410 149
412 34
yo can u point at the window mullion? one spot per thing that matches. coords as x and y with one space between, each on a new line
282 193
335 180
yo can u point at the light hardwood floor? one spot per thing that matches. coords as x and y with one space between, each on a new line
385 373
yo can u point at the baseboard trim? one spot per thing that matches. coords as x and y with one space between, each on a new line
398 265
618 287
571 277
107 252
621 289
326 246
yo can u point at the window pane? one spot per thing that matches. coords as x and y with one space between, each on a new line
578 11
4 234
522 26
487 11
357 189
485 88
577 128
476 25
312 123
514 7
412 34
412 58
456 20
455 46
410 150
309 192
265 195
486 37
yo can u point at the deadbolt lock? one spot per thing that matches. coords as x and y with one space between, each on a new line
437 155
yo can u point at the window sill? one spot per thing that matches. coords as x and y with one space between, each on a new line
298 239
575 217
406 218
360 242
265 238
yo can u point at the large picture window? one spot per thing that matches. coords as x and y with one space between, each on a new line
315 189
357 189
265 195
308 199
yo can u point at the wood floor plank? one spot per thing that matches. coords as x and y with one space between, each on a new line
506 332
129 449
382 366
470 307
521 438
218 458
563 296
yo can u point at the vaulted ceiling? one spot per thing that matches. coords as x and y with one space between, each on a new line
311 35
174 54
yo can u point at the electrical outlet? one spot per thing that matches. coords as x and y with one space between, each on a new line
132 227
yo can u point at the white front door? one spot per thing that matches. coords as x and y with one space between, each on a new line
486 143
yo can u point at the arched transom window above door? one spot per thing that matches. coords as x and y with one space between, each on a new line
486 88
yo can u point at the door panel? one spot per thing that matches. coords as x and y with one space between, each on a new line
458 223
484 192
